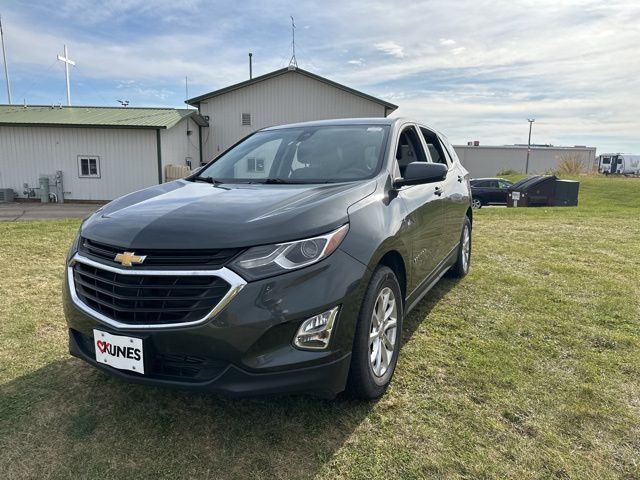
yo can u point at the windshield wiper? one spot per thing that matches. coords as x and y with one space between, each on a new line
299 181
210 180
276 180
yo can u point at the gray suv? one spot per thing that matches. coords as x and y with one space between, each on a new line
287 264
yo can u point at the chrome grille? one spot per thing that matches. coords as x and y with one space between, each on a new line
139 299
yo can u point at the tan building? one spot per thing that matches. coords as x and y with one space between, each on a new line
487 161
288 95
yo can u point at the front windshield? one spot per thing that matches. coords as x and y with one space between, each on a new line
303 155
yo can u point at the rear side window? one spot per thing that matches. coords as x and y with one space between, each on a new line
435 148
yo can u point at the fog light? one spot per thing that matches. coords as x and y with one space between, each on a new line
315 332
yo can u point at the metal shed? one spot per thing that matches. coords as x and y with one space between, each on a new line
102 152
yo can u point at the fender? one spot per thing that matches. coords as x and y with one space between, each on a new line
374 232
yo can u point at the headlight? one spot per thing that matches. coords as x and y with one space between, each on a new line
268 260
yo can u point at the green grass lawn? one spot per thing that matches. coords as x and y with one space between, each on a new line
527 368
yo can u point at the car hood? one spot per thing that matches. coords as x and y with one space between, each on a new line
184 214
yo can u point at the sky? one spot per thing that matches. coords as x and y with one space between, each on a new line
476 70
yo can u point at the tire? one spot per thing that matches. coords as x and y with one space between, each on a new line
463 262
476 203
369 379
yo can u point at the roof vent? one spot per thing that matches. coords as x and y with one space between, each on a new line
246 119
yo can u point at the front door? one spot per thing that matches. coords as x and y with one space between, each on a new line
424 205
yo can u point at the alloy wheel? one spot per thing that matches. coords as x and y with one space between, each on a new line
382 335
466 248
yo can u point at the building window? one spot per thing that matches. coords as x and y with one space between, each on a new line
255 164
88 166
246 119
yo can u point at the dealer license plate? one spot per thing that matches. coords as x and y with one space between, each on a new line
119 351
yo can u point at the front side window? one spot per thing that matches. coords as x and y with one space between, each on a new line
88 166
408 150
303 155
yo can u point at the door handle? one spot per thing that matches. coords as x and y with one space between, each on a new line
438 191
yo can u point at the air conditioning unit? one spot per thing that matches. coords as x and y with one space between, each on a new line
6 195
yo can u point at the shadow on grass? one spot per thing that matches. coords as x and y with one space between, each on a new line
68 419
421 311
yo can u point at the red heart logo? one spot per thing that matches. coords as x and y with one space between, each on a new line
102 345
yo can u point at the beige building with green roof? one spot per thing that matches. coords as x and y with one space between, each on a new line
102 152
106 152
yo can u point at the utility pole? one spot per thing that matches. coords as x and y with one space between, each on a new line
526 166
67 61
6 68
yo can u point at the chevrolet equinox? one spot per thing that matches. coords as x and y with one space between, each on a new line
286 264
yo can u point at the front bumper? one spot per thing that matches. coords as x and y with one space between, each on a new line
247 347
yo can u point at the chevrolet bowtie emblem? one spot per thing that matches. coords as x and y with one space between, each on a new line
127 259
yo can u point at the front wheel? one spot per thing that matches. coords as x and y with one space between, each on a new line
377 339
476 203
461 267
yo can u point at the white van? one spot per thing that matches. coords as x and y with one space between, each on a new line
620 163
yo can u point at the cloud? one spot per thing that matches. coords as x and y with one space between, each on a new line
391 48
573 65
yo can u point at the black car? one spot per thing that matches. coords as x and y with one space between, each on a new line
294 277
489 191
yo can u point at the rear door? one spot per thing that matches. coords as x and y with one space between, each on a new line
424 204
455 190
491 190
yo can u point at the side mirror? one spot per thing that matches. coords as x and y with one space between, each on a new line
418 173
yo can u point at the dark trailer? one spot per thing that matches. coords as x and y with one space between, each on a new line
543 191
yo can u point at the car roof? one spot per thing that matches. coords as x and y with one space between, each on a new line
337 121
354 121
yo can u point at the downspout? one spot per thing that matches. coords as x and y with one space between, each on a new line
159 150
200 142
